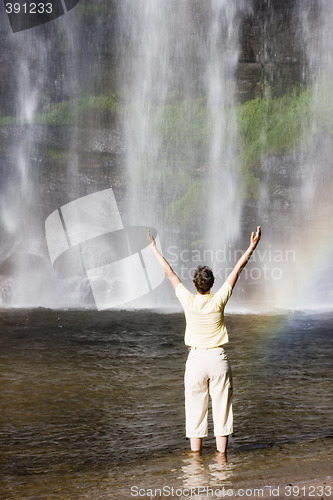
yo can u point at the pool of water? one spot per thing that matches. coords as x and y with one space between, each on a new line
93 405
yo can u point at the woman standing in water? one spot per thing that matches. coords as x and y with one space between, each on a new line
207 368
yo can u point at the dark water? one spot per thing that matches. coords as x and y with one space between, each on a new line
92 402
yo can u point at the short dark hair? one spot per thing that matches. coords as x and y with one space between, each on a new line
203 279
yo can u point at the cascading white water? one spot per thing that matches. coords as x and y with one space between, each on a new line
222 46
19 202
176 64
179 65
317 176
152 68
24 201
301 232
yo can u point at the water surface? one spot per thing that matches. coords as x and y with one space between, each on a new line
92 402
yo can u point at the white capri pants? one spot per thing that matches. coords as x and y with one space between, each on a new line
208 371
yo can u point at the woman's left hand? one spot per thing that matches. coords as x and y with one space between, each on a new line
151 239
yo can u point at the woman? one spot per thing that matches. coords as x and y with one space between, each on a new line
207 368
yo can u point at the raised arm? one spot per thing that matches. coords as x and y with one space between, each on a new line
163 262
233 276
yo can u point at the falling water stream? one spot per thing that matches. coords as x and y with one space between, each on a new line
171 60
21 197
301 227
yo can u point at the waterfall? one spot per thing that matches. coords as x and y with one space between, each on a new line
317 175
20 200
141 99
222 47
45 73
298 227
180 127
153 75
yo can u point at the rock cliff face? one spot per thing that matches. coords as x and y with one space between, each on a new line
270 39
271 47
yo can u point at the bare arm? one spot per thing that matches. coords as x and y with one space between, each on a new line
163 262
233 276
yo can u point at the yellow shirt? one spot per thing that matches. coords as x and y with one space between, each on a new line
204 316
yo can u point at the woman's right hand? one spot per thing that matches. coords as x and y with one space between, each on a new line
255 237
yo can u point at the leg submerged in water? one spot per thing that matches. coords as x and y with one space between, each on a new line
221 444
196 444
